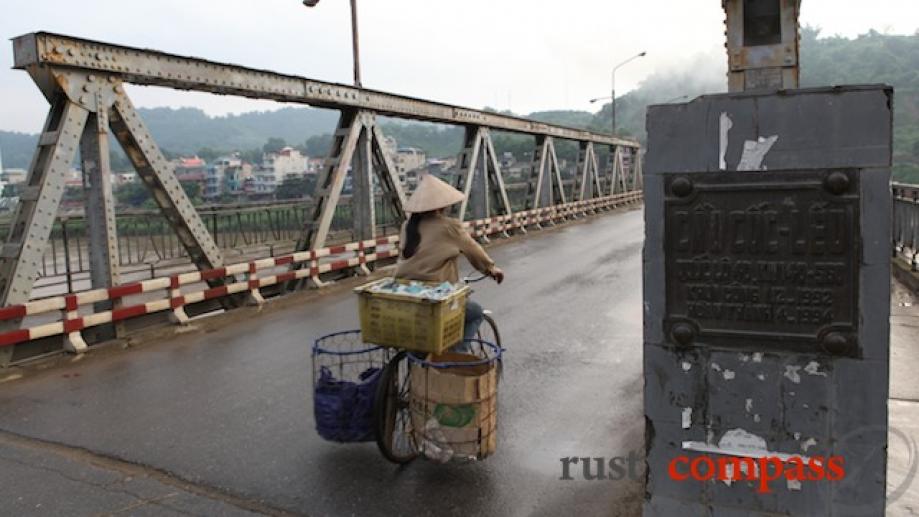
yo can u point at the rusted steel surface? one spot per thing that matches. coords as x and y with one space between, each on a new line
150 67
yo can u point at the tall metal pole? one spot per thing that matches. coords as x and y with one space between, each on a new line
617 67
613 106
354 38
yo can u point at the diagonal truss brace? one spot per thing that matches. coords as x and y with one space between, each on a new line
158 174
616 171
480 177
545 187
82 105
357 145
588 184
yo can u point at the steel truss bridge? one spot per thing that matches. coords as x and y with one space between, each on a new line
83 82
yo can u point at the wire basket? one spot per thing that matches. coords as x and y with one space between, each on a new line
454 402
346 371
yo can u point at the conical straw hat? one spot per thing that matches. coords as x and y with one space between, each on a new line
432 194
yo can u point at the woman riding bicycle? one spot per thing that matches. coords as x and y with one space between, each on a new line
432 243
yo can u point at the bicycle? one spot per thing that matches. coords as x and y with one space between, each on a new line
391 411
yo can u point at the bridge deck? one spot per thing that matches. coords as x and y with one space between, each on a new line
220 423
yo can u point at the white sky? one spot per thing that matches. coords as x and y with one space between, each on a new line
524 55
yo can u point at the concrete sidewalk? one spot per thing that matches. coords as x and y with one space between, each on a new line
39 478
902 451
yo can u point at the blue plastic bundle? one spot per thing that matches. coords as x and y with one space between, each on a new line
343 410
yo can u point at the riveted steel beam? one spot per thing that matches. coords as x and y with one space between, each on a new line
357 146
158 175
588 184
100 212
148 67
479 176
31 224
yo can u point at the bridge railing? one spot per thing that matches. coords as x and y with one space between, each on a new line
90 110
72 313
906 223
147 244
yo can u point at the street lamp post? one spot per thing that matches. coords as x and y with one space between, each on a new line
613 96
354 39
617 67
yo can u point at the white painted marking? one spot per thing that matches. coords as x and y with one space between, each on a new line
813 368
807 444
791 371
738 442
687 417
729 375
754 152
725 125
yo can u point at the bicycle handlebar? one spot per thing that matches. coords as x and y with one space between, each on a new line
471 280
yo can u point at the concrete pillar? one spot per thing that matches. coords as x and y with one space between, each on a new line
766 280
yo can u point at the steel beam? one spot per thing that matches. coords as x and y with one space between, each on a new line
38 203
589 178
158 175
149 67
99 210
37 209
363 208
480 177
358 141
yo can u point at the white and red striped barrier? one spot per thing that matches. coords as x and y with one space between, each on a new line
71 323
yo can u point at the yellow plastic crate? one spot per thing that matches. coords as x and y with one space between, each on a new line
409 322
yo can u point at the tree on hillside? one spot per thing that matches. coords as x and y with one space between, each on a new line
296 187
318 145
274 145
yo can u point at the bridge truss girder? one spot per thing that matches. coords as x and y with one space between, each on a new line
84 107
358 146
479 176
545 186
83 82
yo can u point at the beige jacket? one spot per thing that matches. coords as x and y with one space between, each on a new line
443 240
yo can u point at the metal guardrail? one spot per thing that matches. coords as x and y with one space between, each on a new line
906 223
147 244
79 311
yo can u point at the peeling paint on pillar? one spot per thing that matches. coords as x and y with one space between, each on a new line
718 386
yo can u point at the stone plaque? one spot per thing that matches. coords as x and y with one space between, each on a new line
763 259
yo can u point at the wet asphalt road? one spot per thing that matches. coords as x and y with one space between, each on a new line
229 411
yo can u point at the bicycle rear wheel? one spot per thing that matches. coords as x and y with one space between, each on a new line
392 414
488 332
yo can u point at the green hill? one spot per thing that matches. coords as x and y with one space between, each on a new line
870 58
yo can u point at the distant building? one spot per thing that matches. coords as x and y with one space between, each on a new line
276 167
192 170
123 178
314 165
13 176
227 175
74 178
409 159
438 166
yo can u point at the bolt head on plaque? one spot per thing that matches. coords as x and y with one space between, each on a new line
837 183
836 343
681 187
683 334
